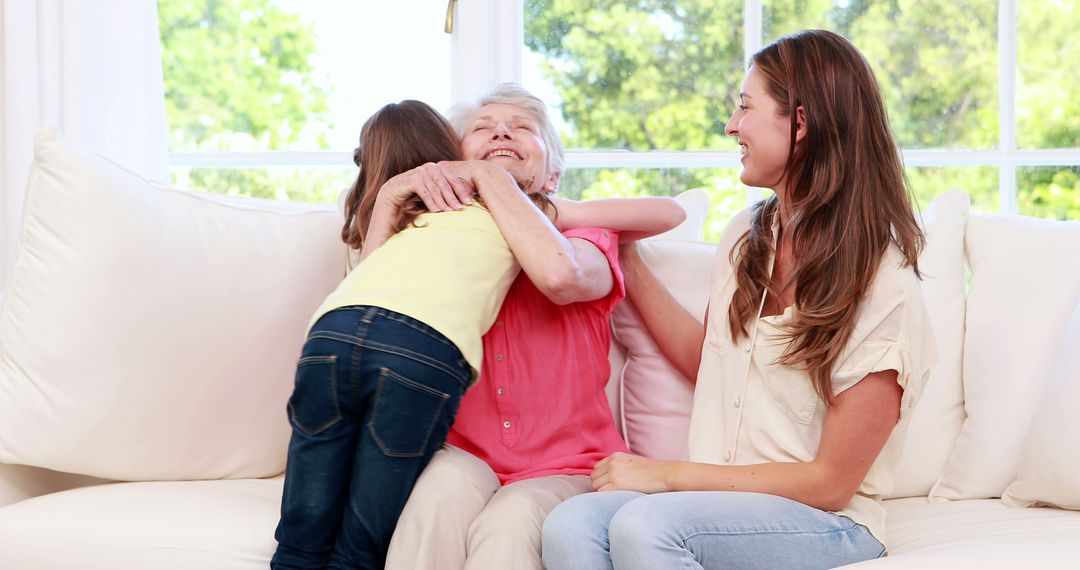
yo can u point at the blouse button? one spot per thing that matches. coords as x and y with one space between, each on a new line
501 391
748 347
499 357
498 324
506 424
737 402
727 456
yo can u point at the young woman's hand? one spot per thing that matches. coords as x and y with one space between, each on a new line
626 472
436 184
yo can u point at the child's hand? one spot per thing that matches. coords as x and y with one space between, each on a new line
436 184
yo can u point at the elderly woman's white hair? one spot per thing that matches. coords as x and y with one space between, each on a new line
512 94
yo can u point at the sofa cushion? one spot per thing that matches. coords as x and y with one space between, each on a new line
209 525
1049 471
977 534
1024 284
656 399
152 333
936 420
916 524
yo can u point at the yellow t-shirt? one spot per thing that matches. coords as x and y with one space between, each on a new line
451 270
750 409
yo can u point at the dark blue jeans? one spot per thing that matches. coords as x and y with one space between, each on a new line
376 392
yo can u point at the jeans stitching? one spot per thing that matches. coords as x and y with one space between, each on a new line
748 532
426 329
315 359
332 361
370 313
384 374
463 379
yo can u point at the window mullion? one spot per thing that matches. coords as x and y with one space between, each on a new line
489 37
1007 104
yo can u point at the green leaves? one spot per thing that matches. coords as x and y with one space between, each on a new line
237 75
661 75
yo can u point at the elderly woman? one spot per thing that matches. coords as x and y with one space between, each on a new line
529 432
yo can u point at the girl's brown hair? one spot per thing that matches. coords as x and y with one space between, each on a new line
397 138
846 190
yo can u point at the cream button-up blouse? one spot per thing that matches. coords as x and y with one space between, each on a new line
749 409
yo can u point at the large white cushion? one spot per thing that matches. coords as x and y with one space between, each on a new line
1049 471
1025 282
977 535
939 414
208 525
152 333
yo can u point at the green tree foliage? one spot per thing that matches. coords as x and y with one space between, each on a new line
238 77
661 74
643 75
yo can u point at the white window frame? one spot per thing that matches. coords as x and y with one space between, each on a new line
487 47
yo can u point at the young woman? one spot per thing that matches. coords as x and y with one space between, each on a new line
391 351
816 344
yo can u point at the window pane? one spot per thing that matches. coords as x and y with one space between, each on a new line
636 75
936 61
1048 87
727 195
296 183
1049 192
980 183
291 74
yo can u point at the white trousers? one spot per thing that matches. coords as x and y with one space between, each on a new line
458 517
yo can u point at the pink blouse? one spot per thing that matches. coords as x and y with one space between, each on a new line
539 407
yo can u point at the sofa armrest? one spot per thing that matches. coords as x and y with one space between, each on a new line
19 482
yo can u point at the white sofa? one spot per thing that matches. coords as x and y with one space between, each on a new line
148 335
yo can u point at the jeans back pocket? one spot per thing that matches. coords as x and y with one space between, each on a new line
314 407
405 414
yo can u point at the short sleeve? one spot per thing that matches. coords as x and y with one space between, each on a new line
892 332
607 241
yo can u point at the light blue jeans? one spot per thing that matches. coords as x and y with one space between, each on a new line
634 531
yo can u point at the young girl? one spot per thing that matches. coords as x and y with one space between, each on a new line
815 347
392 349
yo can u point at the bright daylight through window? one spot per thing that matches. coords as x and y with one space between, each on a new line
641 90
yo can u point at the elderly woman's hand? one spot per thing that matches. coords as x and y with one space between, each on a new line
436 184
628 472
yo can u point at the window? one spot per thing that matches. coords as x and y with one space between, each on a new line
640 90
266 97
975 90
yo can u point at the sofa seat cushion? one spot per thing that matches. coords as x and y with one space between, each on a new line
978 534
227 525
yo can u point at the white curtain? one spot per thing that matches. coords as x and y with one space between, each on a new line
92 69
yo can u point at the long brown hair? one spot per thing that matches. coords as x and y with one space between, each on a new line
397 138
848 194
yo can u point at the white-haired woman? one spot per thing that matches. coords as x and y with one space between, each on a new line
530 431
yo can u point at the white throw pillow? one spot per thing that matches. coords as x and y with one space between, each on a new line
939 414
152 333
696 204
1025 283
1050 461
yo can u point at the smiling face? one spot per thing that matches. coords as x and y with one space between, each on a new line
763 133
510 137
